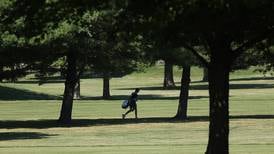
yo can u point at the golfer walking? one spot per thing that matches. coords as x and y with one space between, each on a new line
132 103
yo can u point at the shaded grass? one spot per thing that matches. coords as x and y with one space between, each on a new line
205 87
40 124
8 93
22 136
142 97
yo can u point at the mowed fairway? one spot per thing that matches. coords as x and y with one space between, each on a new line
28 114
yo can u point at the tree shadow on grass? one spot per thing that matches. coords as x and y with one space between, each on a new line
39 82
151 88
252 78
40 124
141 97
236 79
7 93
4 136
236 86
205 87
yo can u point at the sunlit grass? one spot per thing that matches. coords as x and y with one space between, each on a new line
29 112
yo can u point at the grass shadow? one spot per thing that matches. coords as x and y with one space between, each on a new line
8 93
236 79
252 78
39 82
4 136
141 97
151 88
40 124
205 87
236 86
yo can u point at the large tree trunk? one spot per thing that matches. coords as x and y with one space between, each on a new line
205 74
71 80
183 101
219 68
77 94
106 90
168 75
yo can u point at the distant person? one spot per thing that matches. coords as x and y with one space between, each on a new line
132 103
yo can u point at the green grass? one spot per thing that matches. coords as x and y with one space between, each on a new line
29 112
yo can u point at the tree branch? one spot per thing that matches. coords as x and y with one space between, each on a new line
249 44
200 58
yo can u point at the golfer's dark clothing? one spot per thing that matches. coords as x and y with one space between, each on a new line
133 99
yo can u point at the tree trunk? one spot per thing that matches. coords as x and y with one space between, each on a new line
77 90
205 74
13 77
219 68
106 90
183 101
1 73
168 75
71 80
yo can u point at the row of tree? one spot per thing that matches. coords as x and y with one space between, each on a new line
111 37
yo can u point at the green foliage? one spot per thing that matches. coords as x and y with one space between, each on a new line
48 29
204 23
11 40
